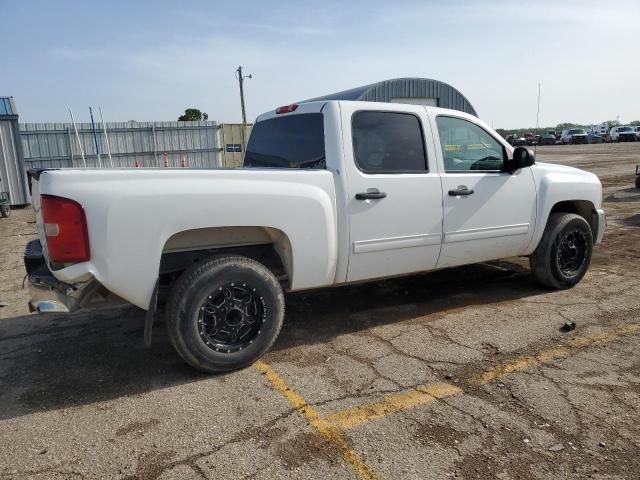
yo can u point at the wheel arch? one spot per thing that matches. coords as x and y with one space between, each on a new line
267 245
584 208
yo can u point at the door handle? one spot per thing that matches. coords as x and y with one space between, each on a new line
371 194
461 190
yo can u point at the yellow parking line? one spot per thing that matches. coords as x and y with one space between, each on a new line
405 400
330 427
324 428
396 402
551 354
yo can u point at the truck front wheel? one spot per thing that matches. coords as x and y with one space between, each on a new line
563 255
224 313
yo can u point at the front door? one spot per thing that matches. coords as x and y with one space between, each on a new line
488 213
394 192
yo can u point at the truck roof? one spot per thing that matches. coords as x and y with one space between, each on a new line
318 105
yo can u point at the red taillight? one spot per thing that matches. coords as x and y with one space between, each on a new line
287 108
65 227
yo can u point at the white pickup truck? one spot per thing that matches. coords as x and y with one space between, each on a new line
331 192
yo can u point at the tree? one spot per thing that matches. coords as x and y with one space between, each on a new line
563 126
193 115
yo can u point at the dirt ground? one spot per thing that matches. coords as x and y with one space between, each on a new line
462 373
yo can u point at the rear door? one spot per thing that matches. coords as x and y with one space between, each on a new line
394 191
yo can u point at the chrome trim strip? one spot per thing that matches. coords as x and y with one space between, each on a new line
393 243
486 232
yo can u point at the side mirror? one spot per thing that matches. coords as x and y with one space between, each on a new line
522 157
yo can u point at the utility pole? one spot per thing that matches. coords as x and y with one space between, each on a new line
535 148
241 78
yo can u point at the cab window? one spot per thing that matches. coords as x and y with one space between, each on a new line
388 142
292 141
466 147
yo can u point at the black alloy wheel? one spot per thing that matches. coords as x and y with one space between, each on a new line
563 254
571 252
231 317
224 313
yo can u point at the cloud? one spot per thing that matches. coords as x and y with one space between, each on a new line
495 52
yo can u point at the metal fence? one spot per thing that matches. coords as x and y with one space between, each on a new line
132 144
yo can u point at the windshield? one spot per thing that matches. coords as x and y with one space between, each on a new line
293 141
624 129
577 131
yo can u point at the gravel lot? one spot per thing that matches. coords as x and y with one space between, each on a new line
463 373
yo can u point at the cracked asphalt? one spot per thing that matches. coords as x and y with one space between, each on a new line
462 373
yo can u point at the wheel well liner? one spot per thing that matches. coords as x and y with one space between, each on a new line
266 245
584 208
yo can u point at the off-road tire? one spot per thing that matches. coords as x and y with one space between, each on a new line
193 290
546 266
5 211
638 181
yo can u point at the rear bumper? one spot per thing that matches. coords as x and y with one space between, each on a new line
602 222
47 293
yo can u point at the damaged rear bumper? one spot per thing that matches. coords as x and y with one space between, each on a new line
47 293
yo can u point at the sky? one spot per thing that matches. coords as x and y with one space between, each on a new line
149 60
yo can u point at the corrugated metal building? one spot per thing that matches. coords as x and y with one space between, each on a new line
416 91
12 171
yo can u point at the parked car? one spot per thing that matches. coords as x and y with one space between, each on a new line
574 135
332 192
594 137
637 130
548 138
622 134
601 129
510 139
529 137
519 142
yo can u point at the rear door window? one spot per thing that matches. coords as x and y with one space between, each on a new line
388 142
292 141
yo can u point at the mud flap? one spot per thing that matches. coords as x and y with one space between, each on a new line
151 315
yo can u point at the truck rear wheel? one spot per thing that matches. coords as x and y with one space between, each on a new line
563 255
224 313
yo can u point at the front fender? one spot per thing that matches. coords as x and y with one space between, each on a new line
556 184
